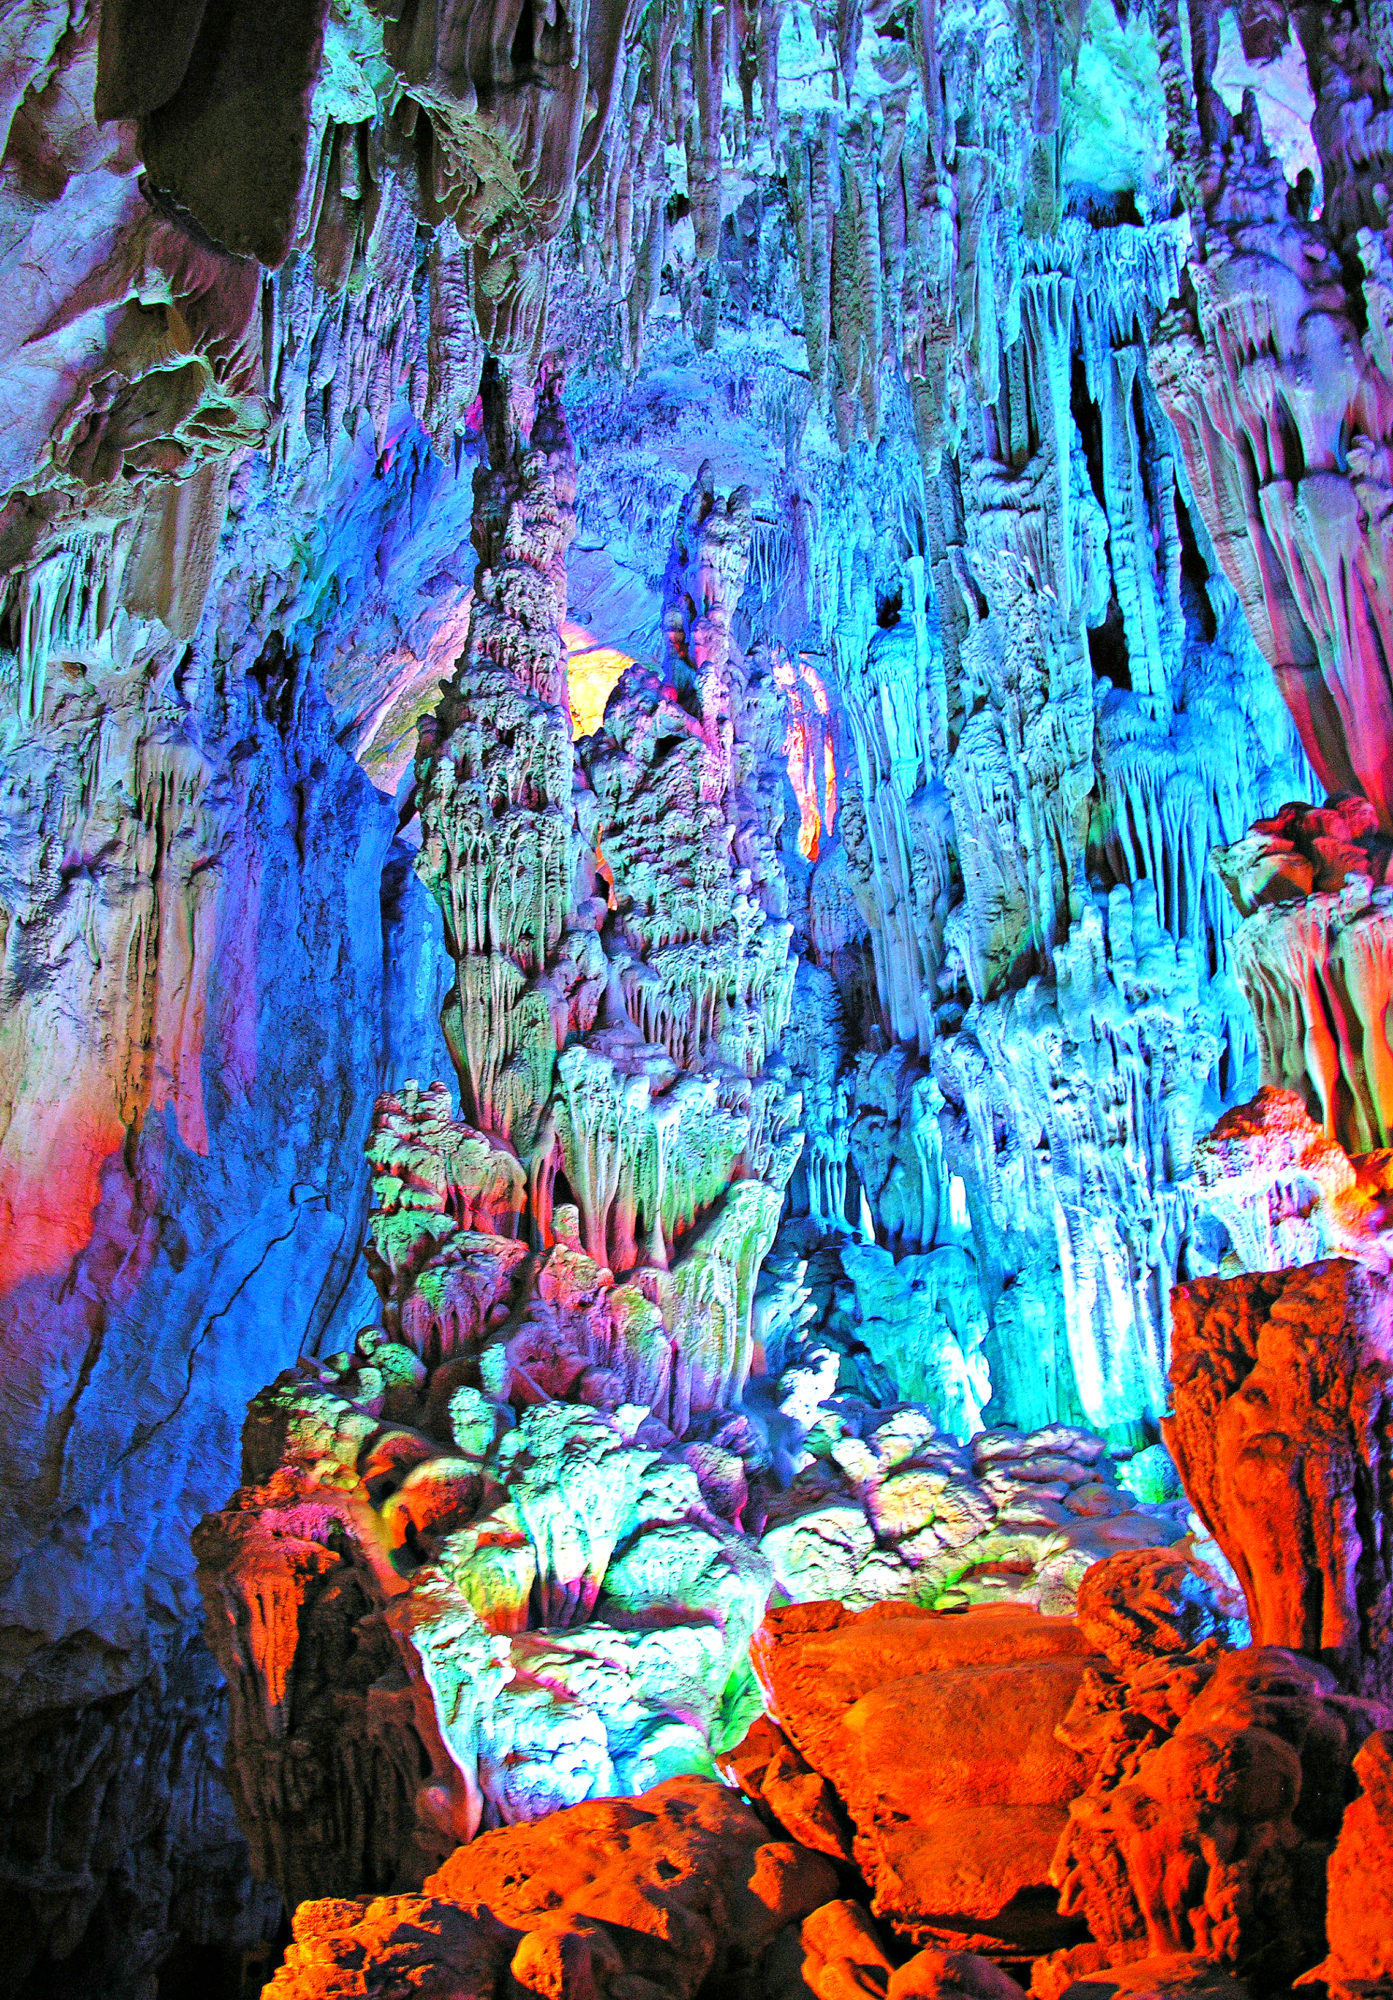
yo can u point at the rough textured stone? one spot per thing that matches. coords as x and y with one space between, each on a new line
951 1975
910 277
1283 1394
1359 1878
1169 1977
843 1958
659 1896
1216 1795
937 1734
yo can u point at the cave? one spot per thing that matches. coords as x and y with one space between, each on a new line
696 1098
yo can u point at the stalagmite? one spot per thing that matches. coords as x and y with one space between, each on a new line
494 786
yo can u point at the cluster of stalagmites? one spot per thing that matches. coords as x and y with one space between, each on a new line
475 1537
452 1599
509 1553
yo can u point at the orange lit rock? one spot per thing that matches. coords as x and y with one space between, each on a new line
1359 1879
951 1975
646 1897
1215 1801
938 1735
369 1950
1282 1388
842 1956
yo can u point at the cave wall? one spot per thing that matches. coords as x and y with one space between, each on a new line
1031 596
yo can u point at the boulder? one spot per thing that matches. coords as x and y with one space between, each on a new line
843 1958
651 1898
936 1732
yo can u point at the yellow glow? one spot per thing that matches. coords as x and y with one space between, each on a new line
591 672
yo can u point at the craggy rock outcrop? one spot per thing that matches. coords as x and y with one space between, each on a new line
1208 1831
1283 1396
1313 955
1217 1780
681 1890
1359 1880
843 1960
936 1736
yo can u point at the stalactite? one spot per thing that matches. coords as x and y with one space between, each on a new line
708 57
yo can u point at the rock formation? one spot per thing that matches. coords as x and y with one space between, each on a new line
1284 462
1283 1390
680 1892
936 1735
1285 1194
1310 953
1358 1913
1217 1784
973 454
885 1507
540 1611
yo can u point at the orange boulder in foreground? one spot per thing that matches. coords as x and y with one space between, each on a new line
653 1896
937 1734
